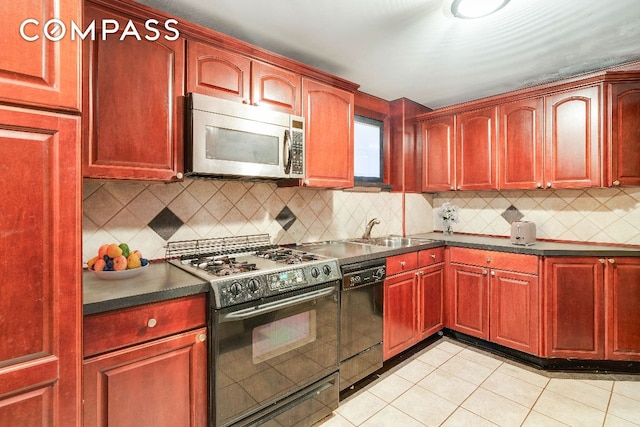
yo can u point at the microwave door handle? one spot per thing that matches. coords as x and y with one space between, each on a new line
286 154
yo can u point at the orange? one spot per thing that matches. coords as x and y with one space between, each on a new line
114 251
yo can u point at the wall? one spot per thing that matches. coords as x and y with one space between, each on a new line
607 215
146 216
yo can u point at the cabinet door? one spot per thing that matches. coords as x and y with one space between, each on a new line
328 113
430 300
625 134
572 139
622 299
399 314
133 105
275 88
160 383
514 310
438 154
476 150
521 133
41 72
574 308
217 72
469 300
40 259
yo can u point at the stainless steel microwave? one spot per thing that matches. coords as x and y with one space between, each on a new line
225 138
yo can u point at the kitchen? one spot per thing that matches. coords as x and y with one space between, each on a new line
147 215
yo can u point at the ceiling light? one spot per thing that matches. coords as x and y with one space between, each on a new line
469 9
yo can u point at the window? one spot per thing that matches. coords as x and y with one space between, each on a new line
368 154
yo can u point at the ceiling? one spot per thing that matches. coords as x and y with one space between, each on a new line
415 49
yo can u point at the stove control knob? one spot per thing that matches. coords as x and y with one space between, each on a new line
253 285
235 288
379 274
315 272
326 269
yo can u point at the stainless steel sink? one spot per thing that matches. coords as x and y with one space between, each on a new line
393 241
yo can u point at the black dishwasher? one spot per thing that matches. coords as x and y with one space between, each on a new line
361 308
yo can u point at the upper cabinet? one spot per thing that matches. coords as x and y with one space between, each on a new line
224 74
328 112
476 150
37 71
438 148
624 134
572 139
133 103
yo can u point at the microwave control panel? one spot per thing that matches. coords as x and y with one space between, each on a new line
297 152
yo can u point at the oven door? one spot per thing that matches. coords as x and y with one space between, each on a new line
264 353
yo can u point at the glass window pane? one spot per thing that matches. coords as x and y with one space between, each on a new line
368 149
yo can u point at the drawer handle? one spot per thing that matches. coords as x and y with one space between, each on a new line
152 323
433 256
402 264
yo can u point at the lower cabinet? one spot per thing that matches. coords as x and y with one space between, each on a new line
591 308
413 299
495 296
161 382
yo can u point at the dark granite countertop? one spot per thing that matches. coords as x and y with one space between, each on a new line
160 281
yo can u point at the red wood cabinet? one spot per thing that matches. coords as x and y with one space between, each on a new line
147 365
495 296
224 74
133 105
40 260
438 154
328 113
624 134
572 138
42 72
574 308
413 299
521 161
476 150
622 295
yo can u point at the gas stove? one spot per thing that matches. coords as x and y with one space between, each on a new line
250 268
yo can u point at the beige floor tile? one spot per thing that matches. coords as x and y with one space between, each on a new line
424 406
389 388
450 346
581 392
512 388
613 421
447 385
435 357
495 408
463 418
361 407
336 421
415 370
480 358
603 384
624 407
567 410
629 389
526 374
466 369
536 419
391 417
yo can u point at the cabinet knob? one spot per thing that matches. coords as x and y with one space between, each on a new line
179 175
548 185
402 264
305 182
458 188
601 260
484 272
539 185
611 261
616 182
488 259
152 323
433 256
493 273
202 337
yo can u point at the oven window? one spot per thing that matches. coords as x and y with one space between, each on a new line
283 335
239 146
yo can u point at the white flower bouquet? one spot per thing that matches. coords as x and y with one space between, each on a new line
449 214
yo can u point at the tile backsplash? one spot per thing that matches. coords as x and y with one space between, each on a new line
148 215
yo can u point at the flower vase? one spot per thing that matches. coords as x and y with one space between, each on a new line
448 230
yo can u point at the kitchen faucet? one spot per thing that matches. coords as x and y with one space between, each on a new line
367 230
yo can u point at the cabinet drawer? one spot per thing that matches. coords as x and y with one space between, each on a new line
494 259
122 328
399 263
430 257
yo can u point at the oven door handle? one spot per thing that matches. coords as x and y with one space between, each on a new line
276 305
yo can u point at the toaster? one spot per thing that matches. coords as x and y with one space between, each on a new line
523 233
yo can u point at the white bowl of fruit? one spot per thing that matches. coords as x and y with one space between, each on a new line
117 261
